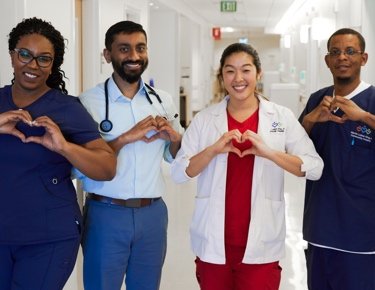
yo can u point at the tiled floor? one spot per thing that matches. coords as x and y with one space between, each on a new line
178 272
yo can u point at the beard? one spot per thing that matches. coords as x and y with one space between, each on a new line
343 80
128 75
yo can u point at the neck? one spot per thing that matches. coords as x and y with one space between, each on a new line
23 97
344 88
242 109
127 89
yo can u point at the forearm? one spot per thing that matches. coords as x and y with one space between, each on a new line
200 161
119 142
288 162
307 124
97 160
369 119
174 147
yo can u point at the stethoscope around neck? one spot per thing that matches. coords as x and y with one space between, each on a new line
106 125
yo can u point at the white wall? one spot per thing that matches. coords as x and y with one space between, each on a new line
368 27
163 55
98 16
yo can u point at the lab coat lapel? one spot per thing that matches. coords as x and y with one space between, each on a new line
266 113
220 117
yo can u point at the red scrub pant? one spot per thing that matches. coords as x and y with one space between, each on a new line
235 275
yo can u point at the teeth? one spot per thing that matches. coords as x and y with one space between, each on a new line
30 75
133 65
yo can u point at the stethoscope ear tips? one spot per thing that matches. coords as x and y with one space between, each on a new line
106 126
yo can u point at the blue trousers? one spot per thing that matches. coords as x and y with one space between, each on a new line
329 269
123 242
44 266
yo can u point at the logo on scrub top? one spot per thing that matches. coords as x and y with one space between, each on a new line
363 130
361 133
277 127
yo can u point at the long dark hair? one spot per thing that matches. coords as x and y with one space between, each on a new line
39 26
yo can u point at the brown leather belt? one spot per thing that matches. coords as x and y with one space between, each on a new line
132 202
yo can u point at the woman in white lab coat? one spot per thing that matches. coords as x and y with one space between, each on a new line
239 149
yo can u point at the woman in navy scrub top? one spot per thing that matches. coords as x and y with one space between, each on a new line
44 132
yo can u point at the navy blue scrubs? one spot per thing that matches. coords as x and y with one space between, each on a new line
38 204
339 210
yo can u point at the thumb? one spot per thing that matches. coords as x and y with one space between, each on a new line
246 152
235 151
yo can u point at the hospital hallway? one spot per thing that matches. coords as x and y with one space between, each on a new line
179 268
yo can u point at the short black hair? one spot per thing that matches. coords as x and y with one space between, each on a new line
38 26
127 27
343 31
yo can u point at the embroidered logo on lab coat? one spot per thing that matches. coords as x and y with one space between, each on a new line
277 127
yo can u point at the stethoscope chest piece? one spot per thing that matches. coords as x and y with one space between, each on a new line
106 125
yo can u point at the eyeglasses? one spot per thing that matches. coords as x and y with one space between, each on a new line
25 56
348 52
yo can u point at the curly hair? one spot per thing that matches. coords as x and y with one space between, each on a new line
38 26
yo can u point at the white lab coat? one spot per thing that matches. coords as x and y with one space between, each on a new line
280 130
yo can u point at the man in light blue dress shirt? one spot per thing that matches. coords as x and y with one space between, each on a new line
125 219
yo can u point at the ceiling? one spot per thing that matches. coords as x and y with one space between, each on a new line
255 16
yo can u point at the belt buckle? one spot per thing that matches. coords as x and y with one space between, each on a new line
133 202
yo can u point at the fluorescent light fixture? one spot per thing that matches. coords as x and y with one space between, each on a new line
243 40
289 15
227 29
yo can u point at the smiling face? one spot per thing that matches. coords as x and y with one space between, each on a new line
240 75
345 68
30 77
128 55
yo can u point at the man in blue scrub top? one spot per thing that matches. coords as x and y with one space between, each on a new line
339 214
125 219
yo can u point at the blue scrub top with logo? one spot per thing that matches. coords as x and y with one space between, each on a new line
340 207
37 198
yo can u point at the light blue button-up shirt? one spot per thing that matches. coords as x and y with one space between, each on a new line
139 172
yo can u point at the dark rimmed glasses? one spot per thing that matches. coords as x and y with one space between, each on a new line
25 56
350 51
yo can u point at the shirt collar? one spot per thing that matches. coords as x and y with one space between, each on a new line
115 94
360 88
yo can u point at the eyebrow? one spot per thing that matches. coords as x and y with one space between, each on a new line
40 54
247 64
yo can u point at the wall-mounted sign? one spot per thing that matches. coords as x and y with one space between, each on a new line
228 6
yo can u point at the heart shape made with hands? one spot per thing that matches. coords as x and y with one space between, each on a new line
152 135
242 146
29 130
